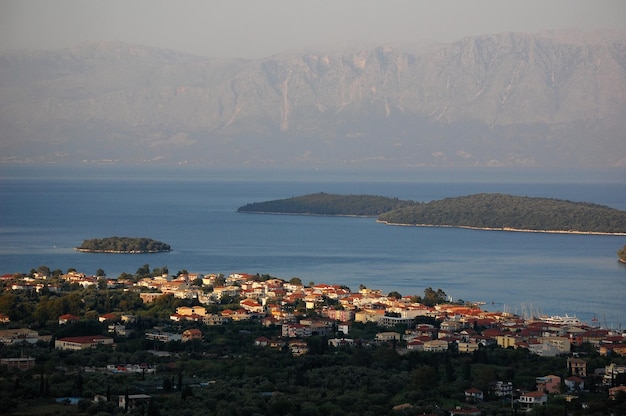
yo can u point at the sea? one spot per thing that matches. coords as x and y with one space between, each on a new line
47 210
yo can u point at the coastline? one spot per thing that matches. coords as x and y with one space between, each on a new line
307 214
509 229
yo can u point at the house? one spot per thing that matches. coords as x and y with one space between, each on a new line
4 318
20 363
213 319
130 401
388 336
543 349
150 297
191 310
459 411
262 342
562 344
614 391
67 318
549 384
343 315
574 383
82 343
505 341
577 367
532 399
343 328
120 330
436 345
163 336
17 335
296 331
107 317
252 306
298 347
473 395
502 388
341 342
191 334
609 349
222 292
613 372
467 347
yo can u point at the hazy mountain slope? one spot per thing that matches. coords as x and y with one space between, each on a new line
506 99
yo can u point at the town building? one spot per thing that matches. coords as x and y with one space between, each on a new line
549 384
82 343
19 363
577 367
532 399
191 334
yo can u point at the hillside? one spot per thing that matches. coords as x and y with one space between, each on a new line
506 99
328 204
498 211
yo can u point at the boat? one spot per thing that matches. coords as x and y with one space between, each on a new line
561 320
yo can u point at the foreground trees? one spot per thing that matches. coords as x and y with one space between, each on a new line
225 373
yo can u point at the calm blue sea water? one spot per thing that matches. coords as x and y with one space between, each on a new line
46 211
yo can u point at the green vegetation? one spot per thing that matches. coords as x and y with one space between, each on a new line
506 211
328 204
492 211
123 245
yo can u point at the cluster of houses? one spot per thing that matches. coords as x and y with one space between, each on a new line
275 302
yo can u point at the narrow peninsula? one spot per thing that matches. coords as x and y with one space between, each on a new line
328 204
485 211
123 245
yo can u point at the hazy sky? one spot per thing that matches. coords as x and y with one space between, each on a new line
257 28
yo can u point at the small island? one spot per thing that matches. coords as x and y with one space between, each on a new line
621 255
123 245
485 211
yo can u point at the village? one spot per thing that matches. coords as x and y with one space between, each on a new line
408 324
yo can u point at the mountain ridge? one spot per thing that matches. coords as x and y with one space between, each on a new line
507 99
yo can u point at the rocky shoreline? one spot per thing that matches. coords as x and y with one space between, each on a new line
85 250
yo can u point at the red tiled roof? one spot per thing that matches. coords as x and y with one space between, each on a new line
534 394
87 339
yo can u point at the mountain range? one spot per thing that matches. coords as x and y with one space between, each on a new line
508 99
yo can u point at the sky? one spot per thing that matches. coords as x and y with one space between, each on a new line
260 28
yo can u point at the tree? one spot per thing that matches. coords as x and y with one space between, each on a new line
394 295
43 271
143 271
296 281
432 297
102 283
100 273
425 378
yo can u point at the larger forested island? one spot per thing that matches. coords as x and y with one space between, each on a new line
123 245
483 211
